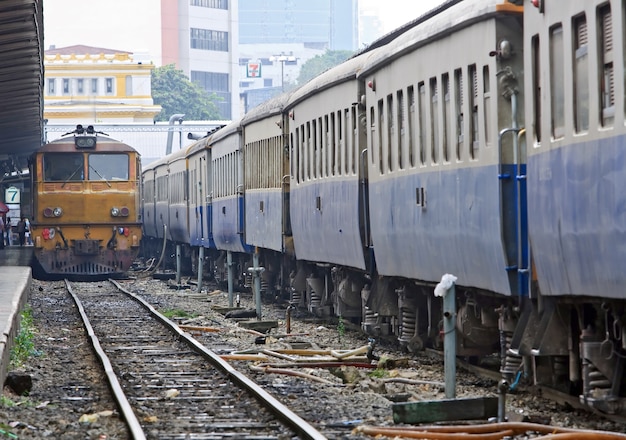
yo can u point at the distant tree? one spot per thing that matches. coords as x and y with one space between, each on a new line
321 63
172 90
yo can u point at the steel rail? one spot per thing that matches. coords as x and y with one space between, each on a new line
125 408
288 417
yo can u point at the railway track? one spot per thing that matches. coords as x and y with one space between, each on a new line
167 385
165 395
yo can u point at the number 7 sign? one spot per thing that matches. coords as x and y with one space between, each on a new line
12 195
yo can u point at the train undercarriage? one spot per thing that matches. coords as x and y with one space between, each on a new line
574 345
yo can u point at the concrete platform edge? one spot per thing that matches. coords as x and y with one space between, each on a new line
14 292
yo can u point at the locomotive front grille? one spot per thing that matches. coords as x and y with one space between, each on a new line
86 247
87 268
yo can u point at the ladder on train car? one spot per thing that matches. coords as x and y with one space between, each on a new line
518 173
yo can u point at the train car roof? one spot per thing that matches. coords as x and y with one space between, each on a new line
200 144
67 144
392 35
335 75
177 155
270 107
154 164
443 22
227 130
186 151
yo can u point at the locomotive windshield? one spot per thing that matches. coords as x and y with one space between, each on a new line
108 166
64 167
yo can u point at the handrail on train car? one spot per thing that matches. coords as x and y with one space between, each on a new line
364 184
521 230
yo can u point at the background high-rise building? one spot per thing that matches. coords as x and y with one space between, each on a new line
276 37
201 38
329 24
216 42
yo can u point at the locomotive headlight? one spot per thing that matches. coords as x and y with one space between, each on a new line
120 212
52 212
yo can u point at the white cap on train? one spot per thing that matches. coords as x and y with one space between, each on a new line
444 285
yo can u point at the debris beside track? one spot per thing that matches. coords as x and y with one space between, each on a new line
335 394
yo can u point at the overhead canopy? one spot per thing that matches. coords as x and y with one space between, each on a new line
21 81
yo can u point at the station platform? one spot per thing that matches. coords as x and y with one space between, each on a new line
15 280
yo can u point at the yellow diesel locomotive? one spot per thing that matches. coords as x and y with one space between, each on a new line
86 191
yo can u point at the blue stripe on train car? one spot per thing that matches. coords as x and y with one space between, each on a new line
577 218
204 234
264 219
426 224
228 224
327 230
196 225
179 229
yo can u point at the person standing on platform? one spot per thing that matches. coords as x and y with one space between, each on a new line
28 239
2 228
21 230
9 231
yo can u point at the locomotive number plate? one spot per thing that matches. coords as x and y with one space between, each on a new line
86 247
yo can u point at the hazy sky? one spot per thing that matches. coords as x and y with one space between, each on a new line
394 13
124 24
111 24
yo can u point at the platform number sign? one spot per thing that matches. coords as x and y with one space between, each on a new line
12 195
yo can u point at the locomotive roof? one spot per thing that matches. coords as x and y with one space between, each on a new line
103 143
447 21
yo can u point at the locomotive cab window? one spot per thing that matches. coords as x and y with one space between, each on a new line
62 167
108 167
